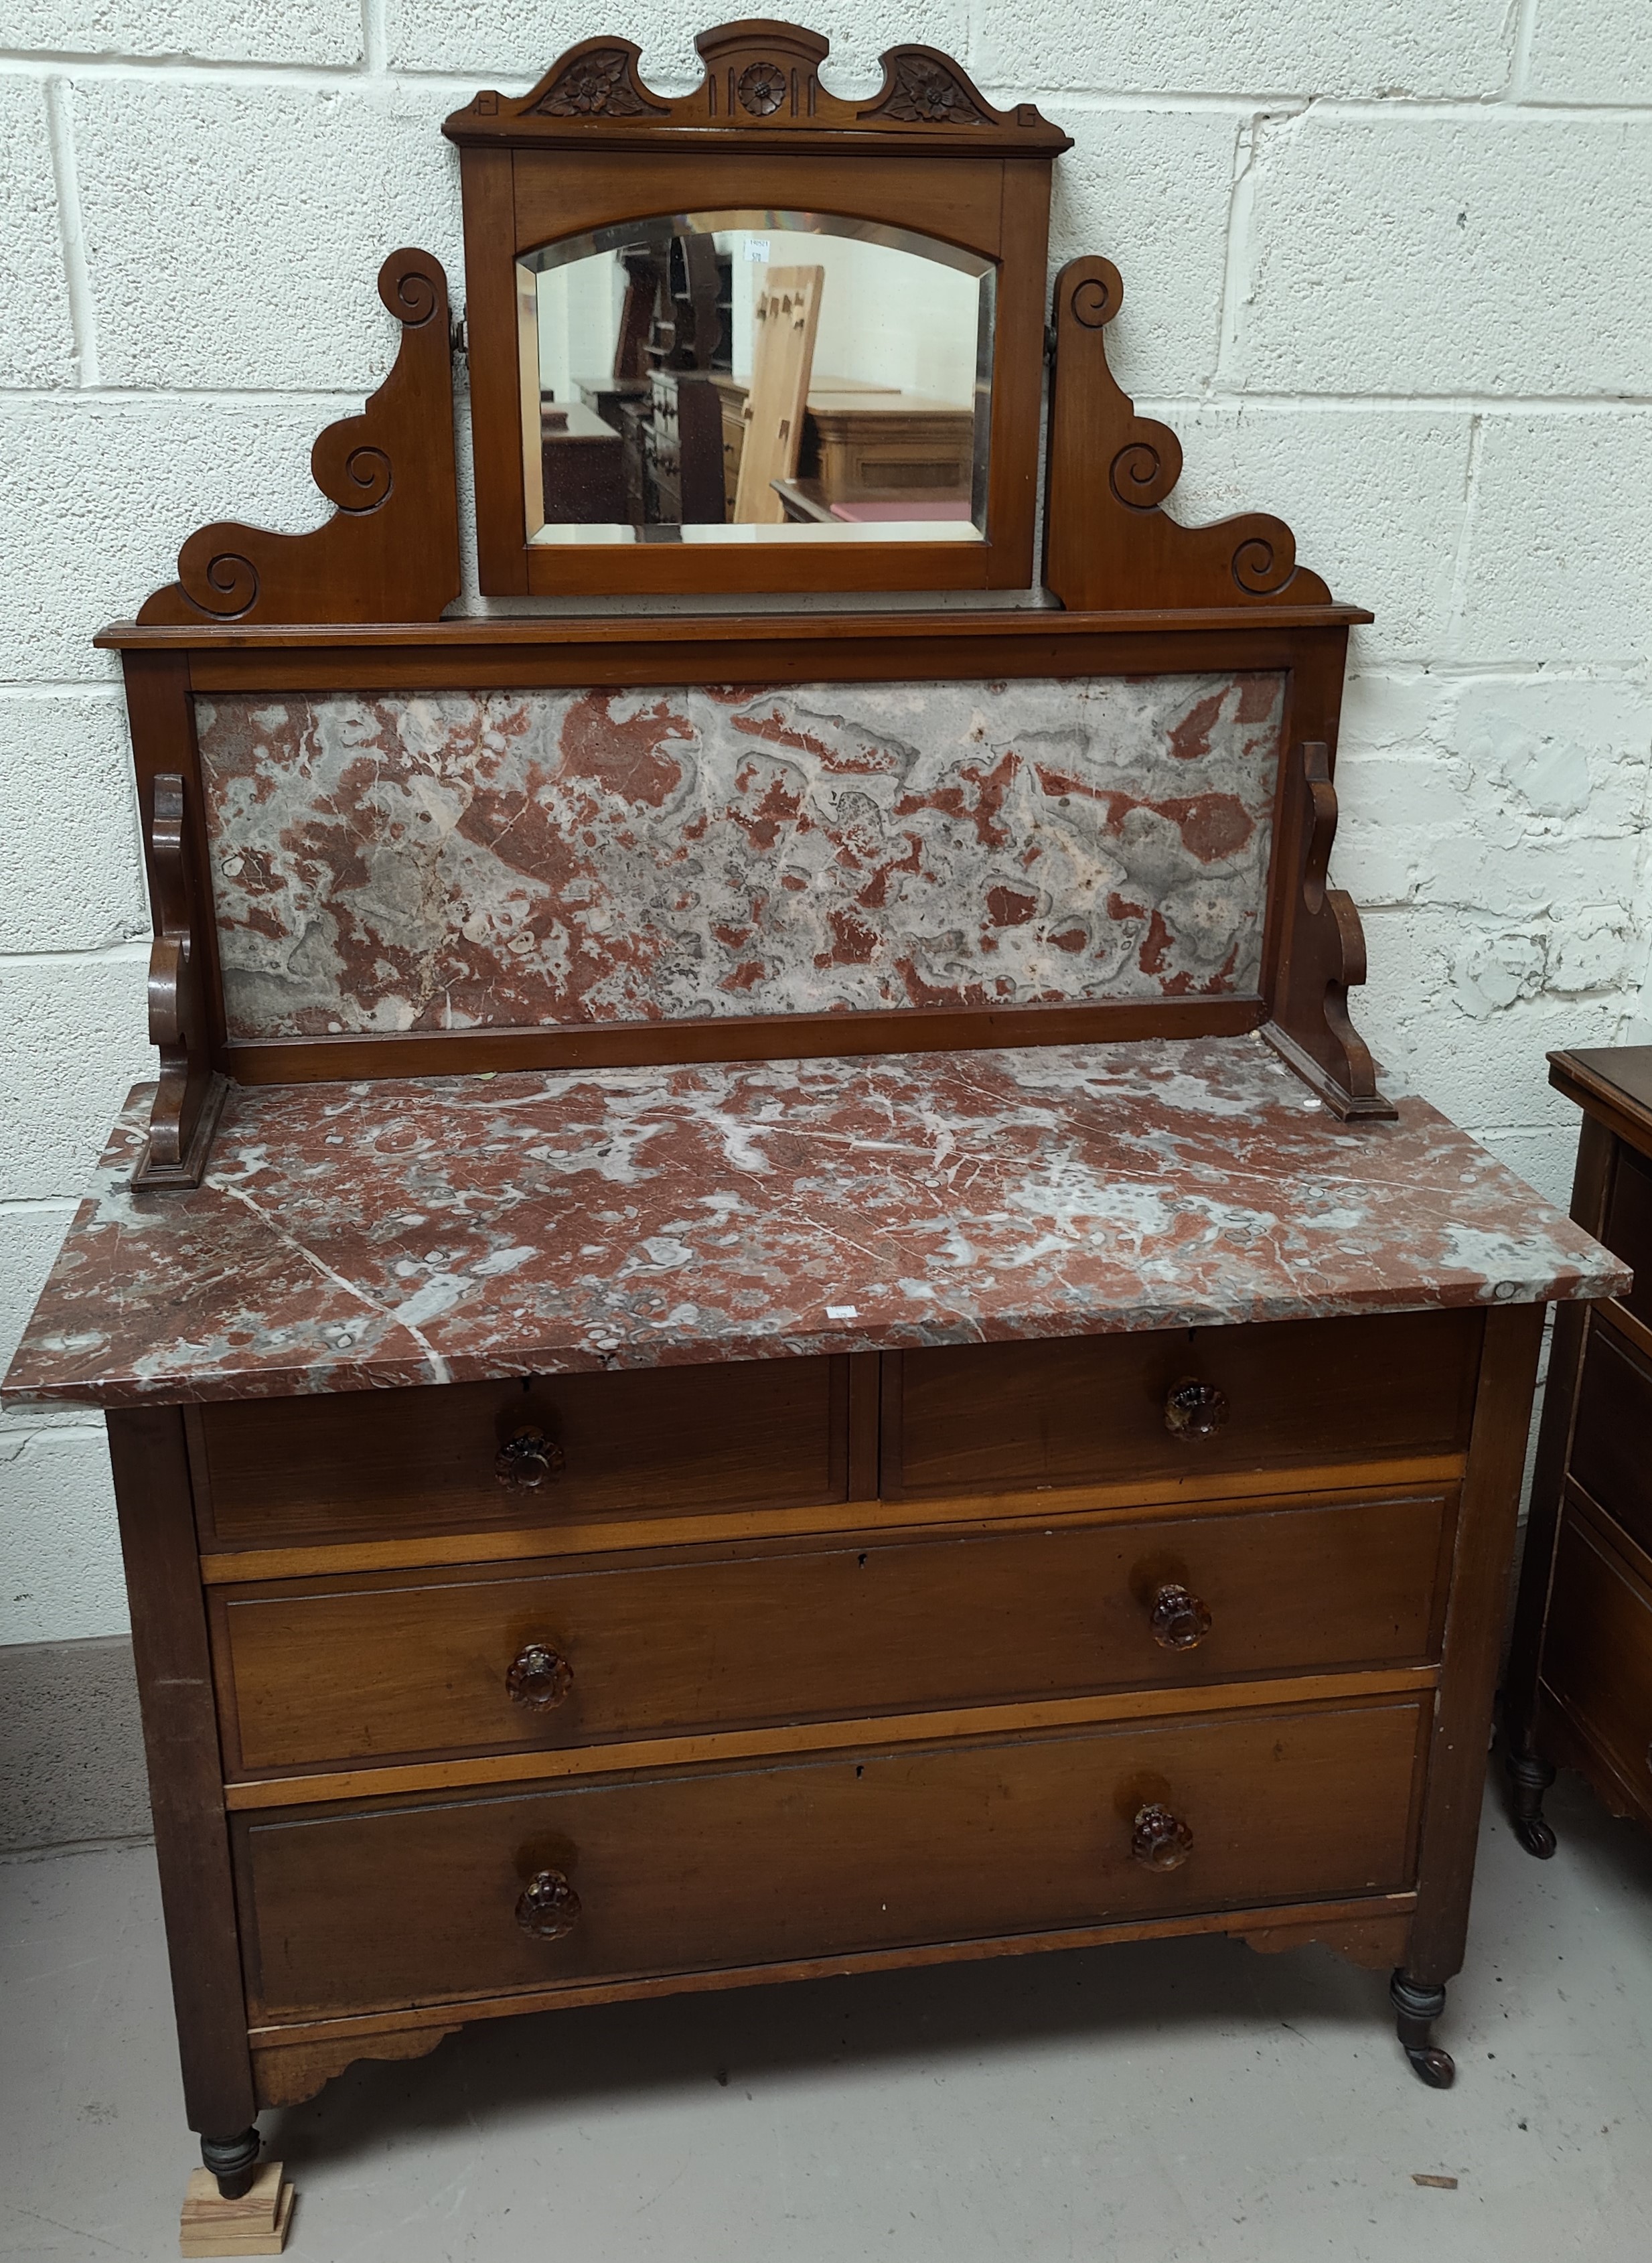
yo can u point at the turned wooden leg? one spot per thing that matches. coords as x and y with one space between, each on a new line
1417 2005
1529 1778
233 2161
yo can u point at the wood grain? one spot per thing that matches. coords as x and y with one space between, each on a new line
635 1443
998 1415
180 1735
1217 1492
830 1857
723 1745
392 1666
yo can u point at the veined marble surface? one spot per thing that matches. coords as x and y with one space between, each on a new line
540 858
349 1237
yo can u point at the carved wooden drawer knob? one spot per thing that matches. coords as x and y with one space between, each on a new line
1195 1409
538 1677
1160 1841
1179 1620
547 1906
528 1461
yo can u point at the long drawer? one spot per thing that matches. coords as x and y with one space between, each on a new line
390 1906
1003 1417
1597 1653
395 1664
765 1434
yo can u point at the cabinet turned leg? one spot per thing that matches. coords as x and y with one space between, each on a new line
1529 1778
1417 2005
233 2161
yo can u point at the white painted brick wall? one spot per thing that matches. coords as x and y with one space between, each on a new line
1385 266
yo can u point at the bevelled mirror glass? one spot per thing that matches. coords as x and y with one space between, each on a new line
755 377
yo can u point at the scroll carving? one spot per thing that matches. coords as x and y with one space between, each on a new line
762 79
1108 544
922 87
1322 956
598 79
189 1097
391 551
287 2074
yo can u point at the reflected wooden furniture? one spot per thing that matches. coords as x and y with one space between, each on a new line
584 468
1578 1688
786 315
865 443
942 1456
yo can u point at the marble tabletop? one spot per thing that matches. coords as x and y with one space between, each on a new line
361 1236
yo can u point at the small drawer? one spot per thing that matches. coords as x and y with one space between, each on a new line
764 1434
1597 1653
998 1418
1609 1436
395 1666
434 1901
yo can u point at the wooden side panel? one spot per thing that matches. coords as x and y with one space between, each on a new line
1591 1185
1473 1635
390 1906
1608 1457
1597 1657
169 1642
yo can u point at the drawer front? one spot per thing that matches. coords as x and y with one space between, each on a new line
657 1441
1612 1432
398 1665
1598 1651
1002 1417
408 1904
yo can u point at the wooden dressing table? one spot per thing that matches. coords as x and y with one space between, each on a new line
768 1320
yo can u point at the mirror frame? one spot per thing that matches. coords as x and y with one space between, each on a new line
591 146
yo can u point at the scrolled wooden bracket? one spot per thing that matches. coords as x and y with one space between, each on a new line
1108 544
390 553
1321 954
189 1097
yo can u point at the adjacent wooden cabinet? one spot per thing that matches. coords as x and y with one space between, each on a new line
1579 1682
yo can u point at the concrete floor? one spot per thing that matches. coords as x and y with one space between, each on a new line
1139 2105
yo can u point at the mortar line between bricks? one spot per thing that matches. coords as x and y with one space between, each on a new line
321 402
38 1206
83 313
104 954
196 70
1460 564
1520 61
374 42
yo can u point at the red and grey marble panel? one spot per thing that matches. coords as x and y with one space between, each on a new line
537 858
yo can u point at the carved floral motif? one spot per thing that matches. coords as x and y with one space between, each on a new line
927 93
597 85
762 88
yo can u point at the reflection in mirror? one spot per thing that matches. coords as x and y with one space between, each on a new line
755 377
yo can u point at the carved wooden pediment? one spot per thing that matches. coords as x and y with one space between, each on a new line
762 81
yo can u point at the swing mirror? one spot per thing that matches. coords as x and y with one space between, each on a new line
755 377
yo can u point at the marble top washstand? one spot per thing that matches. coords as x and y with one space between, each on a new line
362 1236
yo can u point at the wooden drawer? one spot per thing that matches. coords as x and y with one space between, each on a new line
763 1434
1597 1653
398 1665
1613 1424
391 1905
1002 1417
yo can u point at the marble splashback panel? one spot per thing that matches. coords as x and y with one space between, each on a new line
534 859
